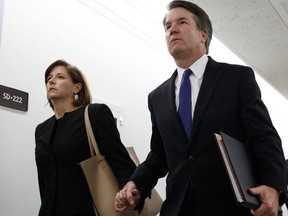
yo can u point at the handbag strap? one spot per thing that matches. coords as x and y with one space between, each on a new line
90 135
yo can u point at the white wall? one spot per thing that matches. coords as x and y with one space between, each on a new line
1 16
122 66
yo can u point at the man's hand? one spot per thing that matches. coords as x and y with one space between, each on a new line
127 198
269 198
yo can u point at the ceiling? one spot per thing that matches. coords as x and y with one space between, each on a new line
257 32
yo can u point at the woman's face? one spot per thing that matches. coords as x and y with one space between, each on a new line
59 85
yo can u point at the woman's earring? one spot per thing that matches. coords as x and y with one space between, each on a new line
76 96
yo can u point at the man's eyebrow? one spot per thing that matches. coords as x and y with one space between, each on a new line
178 19
182 18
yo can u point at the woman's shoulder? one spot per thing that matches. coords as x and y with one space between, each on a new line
98 107
100 112
45 124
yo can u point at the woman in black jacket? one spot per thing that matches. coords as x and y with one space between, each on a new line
61 143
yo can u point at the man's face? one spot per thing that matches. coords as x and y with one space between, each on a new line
182 34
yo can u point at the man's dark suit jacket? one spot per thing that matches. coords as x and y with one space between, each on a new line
229 100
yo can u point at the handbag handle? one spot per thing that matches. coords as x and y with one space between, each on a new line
94 150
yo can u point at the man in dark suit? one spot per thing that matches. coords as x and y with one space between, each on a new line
224 97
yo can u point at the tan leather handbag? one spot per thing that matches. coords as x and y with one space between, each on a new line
152 206
103 184
101 180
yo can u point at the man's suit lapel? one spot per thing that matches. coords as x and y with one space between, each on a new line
211 77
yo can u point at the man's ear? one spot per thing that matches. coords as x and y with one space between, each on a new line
204 36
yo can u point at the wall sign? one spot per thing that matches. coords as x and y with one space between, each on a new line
13 98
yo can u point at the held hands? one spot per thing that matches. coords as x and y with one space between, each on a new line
269 198
127 198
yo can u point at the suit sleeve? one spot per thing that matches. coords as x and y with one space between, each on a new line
41 183
155 166
261 135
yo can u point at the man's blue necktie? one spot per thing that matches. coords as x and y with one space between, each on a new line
185 105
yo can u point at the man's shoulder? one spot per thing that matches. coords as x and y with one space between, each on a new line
164 86
226 65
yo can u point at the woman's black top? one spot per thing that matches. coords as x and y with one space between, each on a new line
60 146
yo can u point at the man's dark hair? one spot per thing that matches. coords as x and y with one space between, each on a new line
199 15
